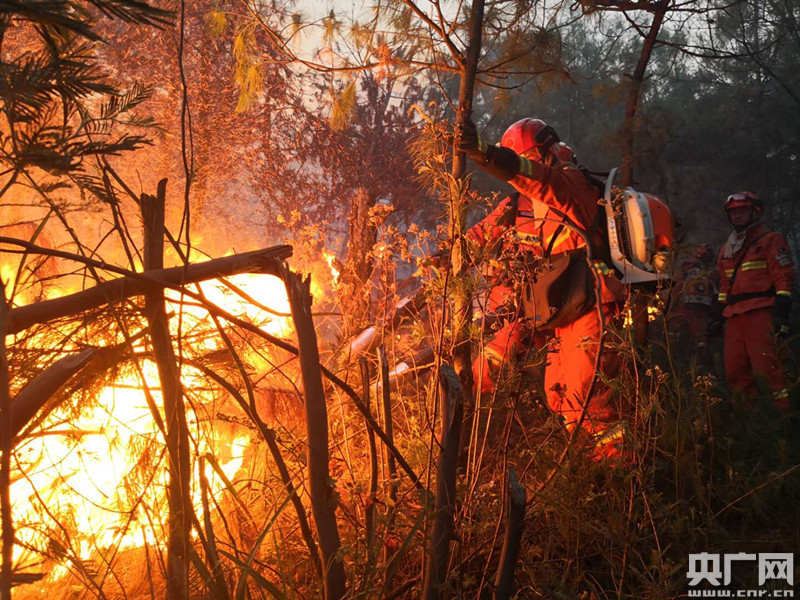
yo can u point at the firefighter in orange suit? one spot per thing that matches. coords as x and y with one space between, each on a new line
756 278
561 200
696 287
508 231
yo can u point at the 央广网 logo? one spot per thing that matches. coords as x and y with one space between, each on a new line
714 570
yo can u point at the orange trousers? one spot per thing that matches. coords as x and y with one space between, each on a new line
503 344
571 364
750 352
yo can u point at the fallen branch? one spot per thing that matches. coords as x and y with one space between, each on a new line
266 261
38 390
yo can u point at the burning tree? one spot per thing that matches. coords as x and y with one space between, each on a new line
178 426
70 351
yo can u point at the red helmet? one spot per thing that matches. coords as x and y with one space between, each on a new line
705 252
564 153
527 135
744 199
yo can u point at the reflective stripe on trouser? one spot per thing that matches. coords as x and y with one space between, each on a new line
501 347
570 369
750 351
608 444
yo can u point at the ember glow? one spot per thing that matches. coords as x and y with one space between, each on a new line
104 473
260 298
89 482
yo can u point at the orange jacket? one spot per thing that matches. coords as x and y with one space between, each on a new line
566 190
533 228
765 270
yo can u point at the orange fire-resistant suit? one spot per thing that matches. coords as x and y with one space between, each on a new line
751 276
563 191
510 228
695 290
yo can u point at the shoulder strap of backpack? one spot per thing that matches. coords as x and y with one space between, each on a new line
510 216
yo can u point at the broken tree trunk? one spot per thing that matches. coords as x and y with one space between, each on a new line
323 498
452 411
354 288
370 508
515 516
259 261
5 457
178 449
386 402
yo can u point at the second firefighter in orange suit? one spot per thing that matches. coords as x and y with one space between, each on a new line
560 197
756 277
695 291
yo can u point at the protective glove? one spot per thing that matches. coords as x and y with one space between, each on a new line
498 161
780 316
469 140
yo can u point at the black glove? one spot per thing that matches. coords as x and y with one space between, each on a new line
780 316
469 141
498 161
715 319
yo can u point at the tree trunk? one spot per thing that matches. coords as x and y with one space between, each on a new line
452 408
628 131
462 302
178 449
354 286
323 498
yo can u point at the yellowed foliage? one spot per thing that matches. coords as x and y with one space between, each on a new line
330 25
217 23
384 53
360 35
243 43
297 22
343 106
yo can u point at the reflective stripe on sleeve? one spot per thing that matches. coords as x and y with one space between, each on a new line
525 166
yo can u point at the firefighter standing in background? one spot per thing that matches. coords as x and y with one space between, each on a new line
756 278
695 289
563 199
509 231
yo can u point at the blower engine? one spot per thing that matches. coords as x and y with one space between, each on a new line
641 235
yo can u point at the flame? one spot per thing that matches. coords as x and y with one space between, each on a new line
653 313
329 258
105 473
101 467
272 311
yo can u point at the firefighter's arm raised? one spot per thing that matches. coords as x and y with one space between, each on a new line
499 162
531 178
